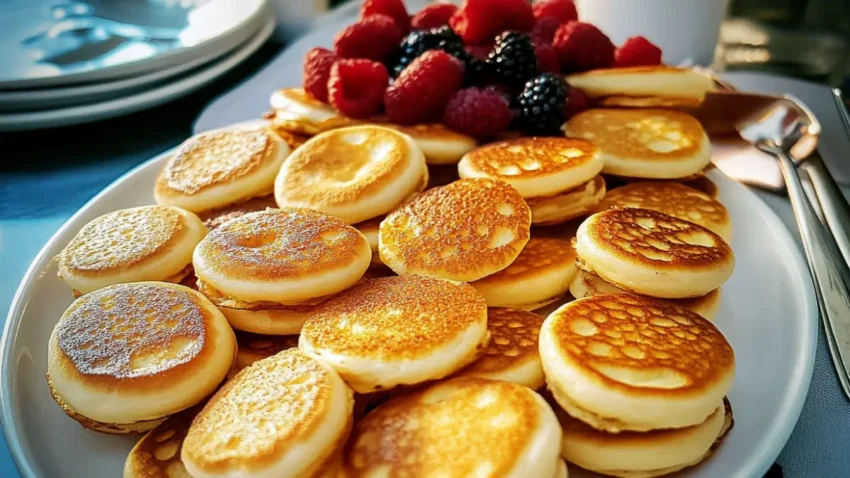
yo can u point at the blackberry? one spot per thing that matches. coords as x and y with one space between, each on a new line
418 42
542 104
513 60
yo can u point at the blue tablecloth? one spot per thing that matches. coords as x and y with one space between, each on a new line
46 176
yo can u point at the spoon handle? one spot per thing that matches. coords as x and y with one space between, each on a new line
835 209
829 274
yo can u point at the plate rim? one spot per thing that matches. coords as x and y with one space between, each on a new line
765 454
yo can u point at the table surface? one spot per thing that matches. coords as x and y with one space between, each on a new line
46 176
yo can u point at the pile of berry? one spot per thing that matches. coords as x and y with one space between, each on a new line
481 69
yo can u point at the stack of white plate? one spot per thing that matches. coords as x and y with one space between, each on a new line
69 62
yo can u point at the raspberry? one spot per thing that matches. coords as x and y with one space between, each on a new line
480 113
544 30
356 87
581 46
577 101
478 21
374 37
547 59
561 10
317 69
433 16
391 8
422 90
637 51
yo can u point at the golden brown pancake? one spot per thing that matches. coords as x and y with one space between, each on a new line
643 81
128 355
464 231
440 144
644 143
459 427
649 102
284 416
623 362
673 199
369 228
535 166
157 454
298 113
254 347
570 204
653 254
541 274
216 217
386 332
512 353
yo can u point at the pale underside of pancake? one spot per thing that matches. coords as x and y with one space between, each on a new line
570 204
131 245
136 353
644 454
394 331
534 166
283 416
464 231
354 173
653 254
644 143
622 362
450 429
439 144
217 168
586 284
643 81
540 274
369 229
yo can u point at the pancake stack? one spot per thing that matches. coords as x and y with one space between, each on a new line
644 86
639 384
557 177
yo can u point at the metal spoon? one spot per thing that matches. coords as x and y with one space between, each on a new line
778 131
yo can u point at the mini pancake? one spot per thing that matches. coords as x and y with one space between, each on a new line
125 357
460 427
369 228
464 231
296 112
157 454
284 416
673 199
653 254
535 166
572 203
644 143
397 331
255 347
286 256
682 84
586 284
131 245
217 168
541 274
649 102
216 217
354 173
643 454
439 144
512 354
623 362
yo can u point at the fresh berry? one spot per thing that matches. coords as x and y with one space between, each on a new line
478 21
317 69
422 90
433 16
374 37
577 101
581 46
637 51
501 90
561 10
547 59
479 51
480 113
513 59
544 30
391 8
542 104
356 87
418 42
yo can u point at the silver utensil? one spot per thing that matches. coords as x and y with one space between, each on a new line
780 130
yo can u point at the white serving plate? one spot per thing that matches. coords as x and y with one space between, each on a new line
768 313
139 100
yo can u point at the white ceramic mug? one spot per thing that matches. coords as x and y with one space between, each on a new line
685 30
